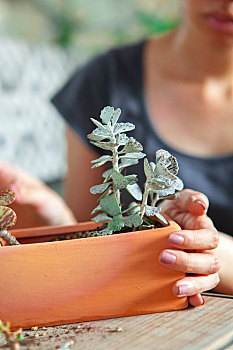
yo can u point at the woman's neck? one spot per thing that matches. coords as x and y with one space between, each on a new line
198 59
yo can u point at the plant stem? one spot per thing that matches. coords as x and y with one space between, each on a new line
116 167
144 199
156 197
7 236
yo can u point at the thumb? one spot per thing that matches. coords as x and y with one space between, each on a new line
194 202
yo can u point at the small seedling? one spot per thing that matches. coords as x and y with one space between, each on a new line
8 217
161 180
13 338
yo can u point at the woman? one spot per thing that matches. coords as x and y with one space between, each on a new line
177 89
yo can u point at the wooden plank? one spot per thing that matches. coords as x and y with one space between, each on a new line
209 327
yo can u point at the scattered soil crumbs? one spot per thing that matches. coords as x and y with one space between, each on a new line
62 337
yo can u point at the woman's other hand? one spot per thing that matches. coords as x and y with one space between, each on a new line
35 204
198 238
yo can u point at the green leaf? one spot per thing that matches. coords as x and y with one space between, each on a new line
101 218
116 116
116 223
121 181
7 197
104 145
96 209
123 127
132 146
105 194
103 133
135 191
133 208
107 172
100 161
155 187
106 114
20 337
161 219
99 188
125 162
98 124
121 139
133 155
94 137
147 169
8 217
133 220
151 211
105 232
110 205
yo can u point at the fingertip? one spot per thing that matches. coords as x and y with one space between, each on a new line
197 206
196 300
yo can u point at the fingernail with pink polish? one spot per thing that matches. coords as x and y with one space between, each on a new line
175 239
167 258
201 203
182 290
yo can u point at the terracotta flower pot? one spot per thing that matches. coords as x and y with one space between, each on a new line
50 283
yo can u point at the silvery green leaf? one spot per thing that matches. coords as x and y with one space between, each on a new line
121 181
132 146
162 154
133 220
107 172
127 162
166 192
108 178
104 133
161 219
161 181
134 155
98 124
106 114
105 232
178 184
155 187
104 145
153 166
110 205
161 169
121 139
135 191
96 209
173 166
116 223
123 127
101 218
147 169
133 208
105 194
99 188
116 116
151 211
94 137
100 159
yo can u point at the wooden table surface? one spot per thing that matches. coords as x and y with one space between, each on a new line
207 327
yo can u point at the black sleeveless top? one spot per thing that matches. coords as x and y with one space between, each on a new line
115 79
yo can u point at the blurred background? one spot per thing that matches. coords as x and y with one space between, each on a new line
41 43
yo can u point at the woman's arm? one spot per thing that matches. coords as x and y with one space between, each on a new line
225 254
80 177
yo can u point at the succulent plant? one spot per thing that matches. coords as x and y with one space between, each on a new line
161 180
7 216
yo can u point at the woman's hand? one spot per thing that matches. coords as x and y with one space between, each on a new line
198 238
35 203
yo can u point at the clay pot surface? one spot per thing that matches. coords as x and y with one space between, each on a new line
50 283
